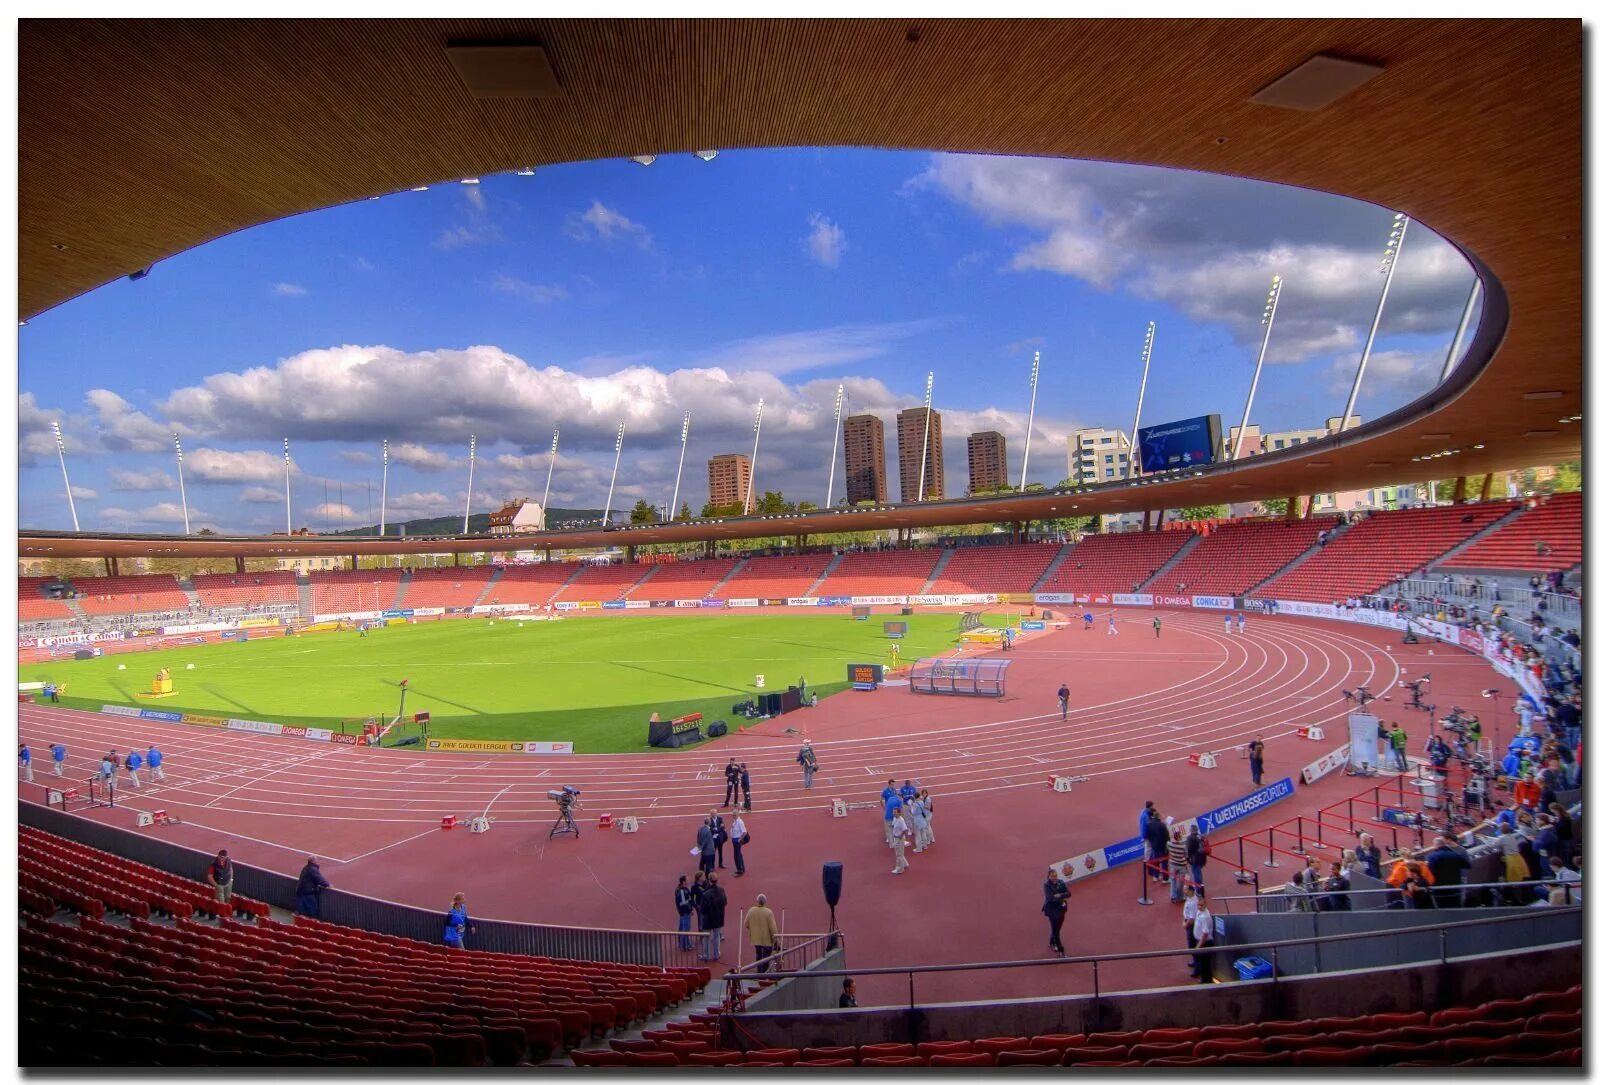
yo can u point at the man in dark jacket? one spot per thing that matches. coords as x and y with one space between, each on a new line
308 892
730 773
1056 893
706 841
1156 837
1197 857
1449 863
719 837
713 912
1258 759
683 900
744 783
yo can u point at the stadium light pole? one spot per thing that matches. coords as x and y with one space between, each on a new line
606 514
472 464
683 449
927 430
1453 355
1267 316
61 452
288 508
1138 410
838 423
750 487
183 497
1027 443
383 493
544 509
1391 257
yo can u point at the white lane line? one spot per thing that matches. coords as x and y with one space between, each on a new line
396 844
257 779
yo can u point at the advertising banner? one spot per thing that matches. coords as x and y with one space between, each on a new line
198 627
744 602
294 732
1124 851
686 604
878 600
252 623
319 734
205 721
1054 597
1015 597
348 740
567 606
656 604
834 601
1306 610
615 604
1133 599
1170 600
1472 641
801 601
636 604
1255 604
1224 815
773 602
1081 866
1328 762
396 613
119 710
427 612
463 745
157 714
977 599
1029 626
1214 602
1102 599
589 604
713 603
500 608
260 727
547 747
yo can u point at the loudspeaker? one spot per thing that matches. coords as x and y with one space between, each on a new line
832 883
717 729
771 704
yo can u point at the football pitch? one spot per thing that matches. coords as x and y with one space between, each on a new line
590 681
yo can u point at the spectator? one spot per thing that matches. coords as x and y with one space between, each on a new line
926 799
744 784
1413 878
705 846
762 926
219 875
1177 861
847 995
919 824
683 901
456 923
1156 839
808 761
1056 892
1196 851
697 895
1368 857
1204 937
1449 864
1144 824
1546 844
740 837
308 891
1258 759
1570 879
719 838
713 913
1337 889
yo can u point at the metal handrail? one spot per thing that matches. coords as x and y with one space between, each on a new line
807 941
1151 954
1321 891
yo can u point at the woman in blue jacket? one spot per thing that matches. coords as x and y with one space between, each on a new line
456 923
308 891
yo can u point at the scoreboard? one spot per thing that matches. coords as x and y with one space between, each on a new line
864 675
896 630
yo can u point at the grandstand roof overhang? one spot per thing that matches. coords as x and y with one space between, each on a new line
142 138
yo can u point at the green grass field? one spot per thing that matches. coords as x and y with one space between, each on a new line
591 681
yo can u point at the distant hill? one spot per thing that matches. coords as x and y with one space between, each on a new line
477 524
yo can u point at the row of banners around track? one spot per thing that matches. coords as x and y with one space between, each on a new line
260 727
1131 850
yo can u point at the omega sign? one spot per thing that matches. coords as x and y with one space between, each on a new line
1172 600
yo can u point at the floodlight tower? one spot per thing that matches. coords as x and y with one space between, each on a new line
927 429
1027 443
1453 355
1267 316
838 422
472 464
288 507
750 487
1138 410
606 514
183 496
383 494
1391 257
683 449
544 509
61 452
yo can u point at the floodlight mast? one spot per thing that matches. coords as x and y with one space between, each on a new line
288 507
1267 316
683 448
183 497
472 464
61 452
383 494
606 513
1391 257
838 422
1138 410
1027 443
750 487
1453 355
544 509
927 429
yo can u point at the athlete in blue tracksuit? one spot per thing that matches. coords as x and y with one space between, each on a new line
154 759
58 755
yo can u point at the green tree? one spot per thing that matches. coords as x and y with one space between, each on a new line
1569 476
708 510
1276 506
684 513
806 506
1203 512
68 569
642 513
772 503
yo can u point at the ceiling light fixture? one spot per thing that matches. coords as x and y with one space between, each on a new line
525 171
1315 84
1551 394
642 159
470 181
705 156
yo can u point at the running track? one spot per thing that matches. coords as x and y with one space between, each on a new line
1140 706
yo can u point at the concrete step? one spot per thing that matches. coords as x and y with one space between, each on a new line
1049 570
938 571
1183 552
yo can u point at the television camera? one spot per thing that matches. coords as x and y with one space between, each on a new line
1459 721
566 800
1417 688
1360 695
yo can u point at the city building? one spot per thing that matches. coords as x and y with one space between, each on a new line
986 462
911 424
1098 455
865 478
729 478
517 518
1255 442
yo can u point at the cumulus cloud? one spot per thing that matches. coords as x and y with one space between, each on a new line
261 495
83 493
123 428
289 290
538 293
826 242
418 458
35 439
1209 245
1404 374
356 455
123 479
330 512
161 514
219 465
604 223
473 225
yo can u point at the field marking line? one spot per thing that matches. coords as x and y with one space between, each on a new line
257 779
396 844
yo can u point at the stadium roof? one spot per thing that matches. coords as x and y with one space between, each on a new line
142 138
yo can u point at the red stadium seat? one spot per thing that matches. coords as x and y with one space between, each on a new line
1030 1057
970 1058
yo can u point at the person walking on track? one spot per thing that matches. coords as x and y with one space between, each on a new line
153 759
927 815
1063 697
1227 623
808 761
744 784
1111 625
25 761
132 765
919 824
1056 893
1239 620
762 926
1156 623
58 757
730 775
892 802
740 836
1258 759
899 834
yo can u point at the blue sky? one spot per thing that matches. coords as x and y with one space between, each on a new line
601 292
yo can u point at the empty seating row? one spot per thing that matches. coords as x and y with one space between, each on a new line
1543 539
34 605
602 583
245 589
983 569
683 579
120 884
346 591
448 586
129 594
530 584
881 572
1115 563
1234 558
782 576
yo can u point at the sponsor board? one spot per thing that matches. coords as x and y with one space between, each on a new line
1102 600
1081 866
1472 641
157 714
428 612
658 604
1212 820
319 627
1032 626
319 734
253 623
1214 602
119 710
344 616
686 604
744 602
294 732
1170 600
348 740
773 602
567 606
1298 609
877 600
396 613
834 601
1124 851
1322 766
144 633
548 747
1054 597
1133 599
205 721
801 601
463 745
260 727
500 608
614 604
589 604
1016 597
198 627
948 600
635 604
1256 604
713 603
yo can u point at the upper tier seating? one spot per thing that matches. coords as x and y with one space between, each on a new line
981 569
245 589
313 993
785 575
1115 563
32 606
881 572
446 586
603 583
343 591
1557 522
531 584
684 579
129 594
1379 549
1236 557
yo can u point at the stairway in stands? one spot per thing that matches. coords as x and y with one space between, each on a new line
308 610
494 578
838 559
938 571
1050 570
1183 552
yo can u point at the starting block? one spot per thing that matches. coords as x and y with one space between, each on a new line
629 824
841 808
605 821
479 824
1060 783
143 818
1203 760
447 822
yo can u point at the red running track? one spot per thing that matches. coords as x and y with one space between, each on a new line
1140 707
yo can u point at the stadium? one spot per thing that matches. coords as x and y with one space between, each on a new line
1323 758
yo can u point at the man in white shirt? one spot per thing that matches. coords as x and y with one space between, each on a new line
1204 935
1564 873
898 832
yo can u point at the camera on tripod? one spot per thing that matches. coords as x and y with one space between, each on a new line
1458 721
1360 695
565 797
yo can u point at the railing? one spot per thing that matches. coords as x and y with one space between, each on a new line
1270 950
1285 898
810 949
1490 593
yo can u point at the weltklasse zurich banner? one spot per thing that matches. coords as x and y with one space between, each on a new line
1189 442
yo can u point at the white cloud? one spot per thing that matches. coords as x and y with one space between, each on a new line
160 514
35 439
218 465
826 242
289 290
604 223
538 293
474 228
123 428
356 455
1396 373
418 458
330 512
1033 342
124 479
790 352
83 493
261 495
